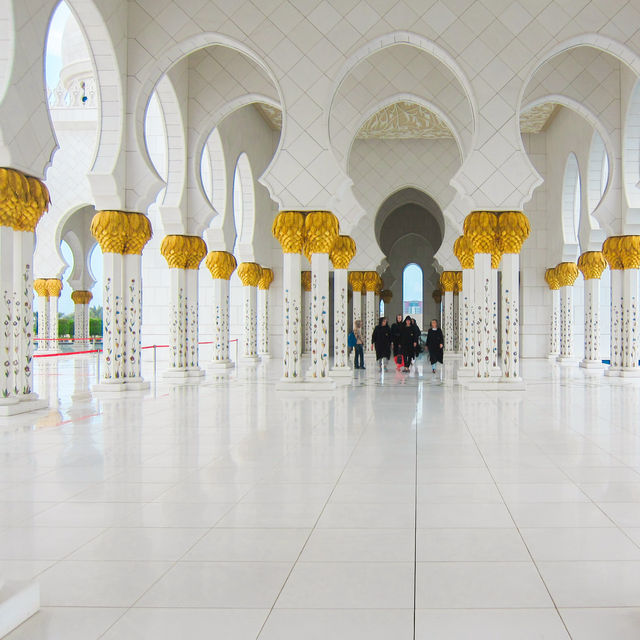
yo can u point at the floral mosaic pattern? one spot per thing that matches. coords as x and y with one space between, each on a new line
591 320
320 328
554 337
307 332
221 322
340 357
448 328
616 318
566 322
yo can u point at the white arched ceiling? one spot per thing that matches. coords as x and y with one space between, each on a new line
243 209
598 174
570 208
631 150
213 172
377 80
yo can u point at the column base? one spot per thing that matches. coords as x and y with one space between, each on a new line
591 364
134 384
465 372
183 374
249 359
553 357
493 384
264 356
629 372
567 361
220 366
514 384
306 384
18 602
612 372
13 407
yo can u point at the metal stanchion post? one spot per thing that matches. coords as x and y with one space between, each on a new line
98 366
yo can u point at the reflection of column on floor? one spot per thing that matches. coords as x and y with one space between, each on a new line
464 252
263 312
630 256
288 229
567 273
307 332
321 231
551 278
250 274
513 230
342 252
221 265
592 265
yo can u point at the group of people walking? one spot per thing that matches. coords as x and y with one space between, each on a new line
403 338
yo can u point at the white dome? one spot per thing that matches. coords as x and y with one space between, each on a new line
74 53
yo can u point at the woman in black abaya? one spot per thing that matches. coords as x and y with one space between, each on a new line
435 344
407 342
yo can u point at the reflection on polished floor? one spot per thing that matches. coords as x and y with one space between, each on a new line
395 507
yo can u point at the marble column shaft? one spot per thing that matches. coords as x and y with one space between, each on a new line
510 311
340 310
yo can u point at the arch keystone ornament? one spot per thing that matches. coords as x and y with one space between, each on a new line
183 255
480 228
463 250
342 252
566 273
264 283
513 229
592 265
221 265
288 229
23 202
122 236
321 231
249 274
629 250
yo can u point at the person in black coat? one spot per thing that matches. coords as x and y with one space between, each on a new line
435 344
416 335
381 340
395 334
407 342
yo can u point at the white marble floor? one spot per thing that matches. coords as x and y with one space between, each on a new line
395 507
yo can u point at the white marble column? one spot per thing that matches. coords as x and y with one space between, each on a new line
292 334
178 315
447 324
249 273
356 280
122 237
55 286
495 360
371 284
611 253
630 328
483 308
81 300
263 313
319 369
221 265
192 307
456 321
342 252
567 272
463 250
552 281
510 310
592 264
44 309
307 324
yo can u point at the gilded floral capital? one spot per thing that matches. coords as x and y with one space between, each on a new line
305 280
138 233
221 264
567 273
342 252
265 279
458 288
23 200
481 227
249 273
630 252
196 253
321 230
448 281
592 264
81 297
54 287
551 278
175 250
40 287
371 281
463 250
356 280
288 230
513 229
121 232
611 252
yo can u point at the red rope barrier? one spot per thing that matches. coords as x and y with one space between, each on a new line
64 353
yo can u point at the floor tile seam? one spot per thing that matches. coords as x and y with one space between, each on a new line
315 526
524 542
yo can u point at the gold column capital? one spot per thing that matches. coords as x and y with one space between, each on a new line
321 230
81 297
23 200
221 264
54 287
371 281
496 256
197 252
630 252
567 273
40 287
386 295
611 252
356 280
458 287
592 264
174 249
305 280
551 278
463 250
342 252
448 281
139 232
249 273
265 279
480 227
513 229
288 230
121 232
